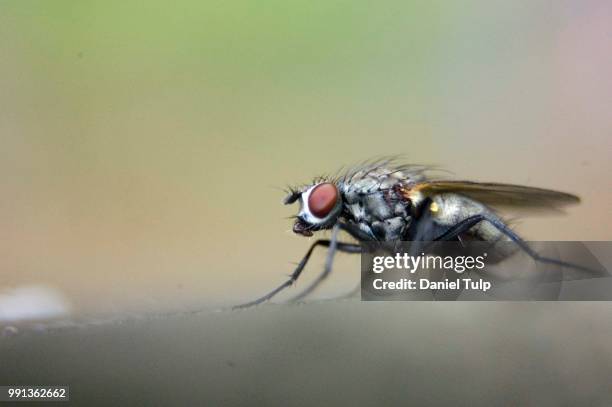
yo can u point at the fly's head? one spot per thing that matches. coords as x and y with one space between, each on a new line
320 206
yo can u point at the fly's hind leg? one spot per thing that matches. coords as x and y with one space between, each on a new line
471 221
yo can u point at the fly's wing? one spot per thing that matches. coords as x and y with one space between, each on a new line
493 194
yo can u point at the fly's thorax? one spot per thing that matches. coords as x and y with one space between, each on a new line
380 211
375 206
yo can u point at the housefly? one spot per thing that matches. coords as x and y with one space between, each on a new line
384 200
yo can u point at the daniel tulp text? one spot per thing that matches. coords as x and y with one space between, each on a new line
486 271
424 284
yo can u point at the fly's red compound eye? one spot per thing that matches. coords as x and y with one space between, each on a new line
323 199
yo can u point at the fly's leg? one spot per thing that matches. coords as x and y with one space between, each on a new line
343 247
348 248
472 221
351 293
425 230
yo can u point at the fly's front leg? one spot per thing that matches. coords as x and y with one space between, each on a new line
345 247
333 247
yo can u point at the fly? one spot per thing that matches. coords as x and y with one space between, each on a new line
384 200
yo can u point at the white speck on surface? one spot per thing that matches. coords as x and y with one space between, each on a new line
32 303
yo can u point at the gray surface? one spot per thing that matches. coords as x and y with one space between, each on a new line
330 352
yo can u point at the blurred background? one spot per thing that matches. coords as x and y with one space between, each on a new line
144 146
